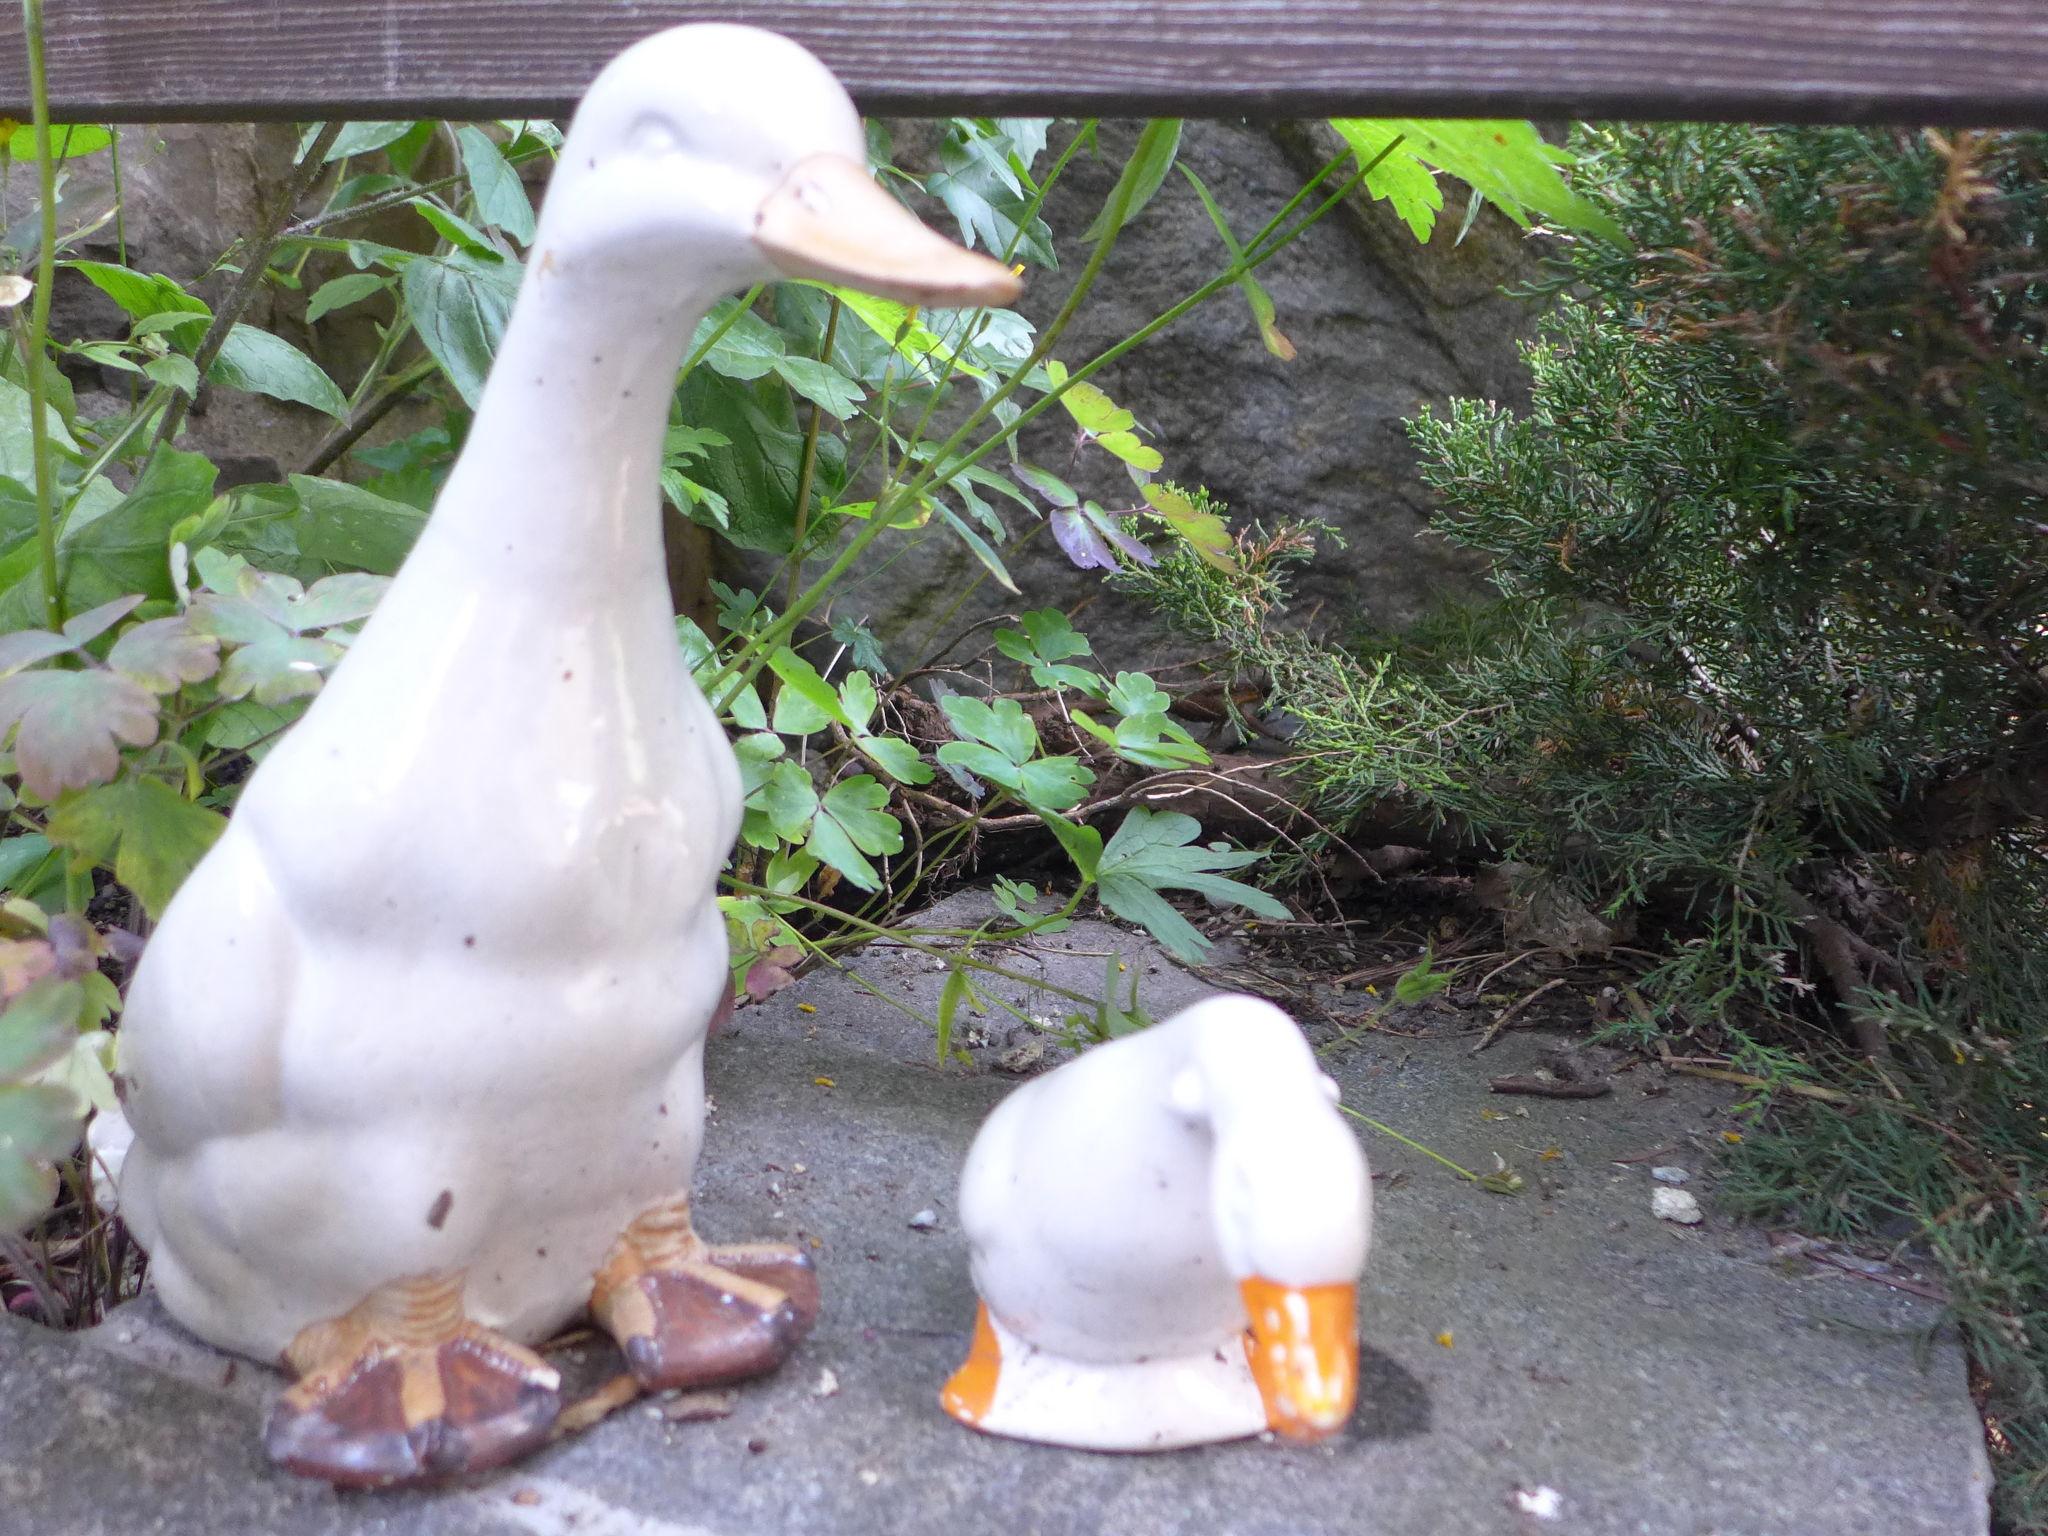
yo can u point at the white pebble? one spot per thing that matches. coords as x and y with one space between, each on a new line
924 1220
1676 1205
1670 1175
869 1477
1544 1502
828 1384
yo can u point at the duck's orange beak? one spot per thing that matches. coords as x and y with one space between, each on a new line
830 222
1304 1355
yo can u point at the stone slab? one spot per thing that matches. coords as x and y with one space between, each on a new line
1662 1380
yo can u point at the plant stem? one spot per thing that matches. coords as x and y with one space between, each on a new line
895 936
807 471
1414 1146
347 436
255 262
33 360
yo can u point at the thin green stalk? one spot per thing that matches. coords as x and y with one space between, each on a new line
876 931
1414 1146
33 359
807 471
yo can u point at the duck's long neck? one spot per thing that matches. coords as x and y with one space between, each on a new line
560 474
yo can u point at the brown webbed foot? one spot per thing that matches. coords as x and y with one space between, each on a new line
686 1314
405 1389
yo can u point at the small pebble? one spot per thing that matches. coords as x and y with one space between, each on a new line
828 1384
1543 1502
870 1477
1670 1175
924 1220
1676 1205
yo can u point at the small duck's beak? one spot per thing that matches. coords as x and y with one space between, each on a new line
1304 1354
829 221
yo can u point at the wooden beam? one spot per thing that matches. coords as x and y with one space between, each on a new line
1906 61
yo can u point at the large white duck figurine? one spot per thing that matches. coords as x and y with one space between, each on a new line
1167 1235
414 1060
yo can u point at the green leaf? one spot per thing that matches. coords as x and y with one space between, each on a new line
126 549
951 996
858 700
340 292
978 547
68 725
500 199
1511 164
174 369
150 834
1143 174
1082 843
789 799
1053 783
348 528
37 1123
1260 301
266 364
1003 725
457 231
66 141
897 758
850 822
1422 980
142 295
39 1026
1149 854
1206 533
1396 176
278 668
164 654
805 701
363 138
460 304
824 386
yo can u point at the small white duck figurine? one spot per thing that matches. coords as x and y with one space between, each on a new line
1167 1234
414 1060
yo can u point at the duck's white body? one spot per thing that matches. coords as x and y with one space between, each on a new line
1115 1209
437 999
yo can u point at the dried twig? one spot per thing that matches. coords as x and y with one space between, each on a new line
1494 1030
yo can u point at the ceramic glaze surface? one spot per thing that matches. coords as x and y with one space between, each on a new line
437 998
1117 1207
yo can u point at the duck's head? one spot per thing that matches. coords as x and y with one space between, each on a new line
1292 1199
735 154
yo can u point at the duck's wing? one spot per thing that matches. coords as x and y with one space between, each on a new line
200 1035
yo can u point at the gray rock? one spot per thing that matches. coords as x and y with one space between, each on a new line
1660 1380
1382 325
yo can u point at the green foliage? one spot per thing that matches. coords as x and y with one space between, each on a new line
1766 673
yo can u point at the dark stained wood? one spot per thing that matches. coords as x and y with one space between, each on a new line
1947 61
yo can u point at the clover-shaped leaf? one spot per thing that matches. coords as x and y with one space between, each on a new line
1002 725
278 668
1047 641
897 758
850 822
148 832
67 725
163 654
37 1123
1150 854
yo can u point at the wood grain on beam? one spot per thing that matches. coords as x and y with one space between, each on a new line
1972 61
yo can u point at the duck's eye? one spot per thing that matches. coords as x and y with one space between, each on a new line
653 136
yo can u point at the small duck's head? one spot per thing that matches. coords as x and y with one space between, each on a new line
1292 1199
733 152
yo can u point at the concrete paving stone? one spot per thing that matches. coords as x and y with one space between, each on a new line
1663 1380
